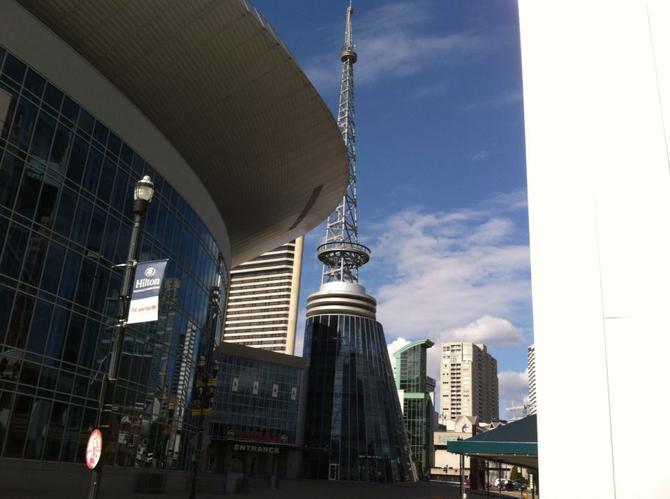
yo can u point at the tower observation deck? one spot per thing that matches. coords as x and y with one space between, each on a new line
341 253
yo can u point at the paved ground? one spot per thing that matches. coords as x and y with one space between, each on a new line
312 489
323 489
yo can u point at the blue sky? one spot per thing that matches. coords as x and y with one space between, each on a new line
442 186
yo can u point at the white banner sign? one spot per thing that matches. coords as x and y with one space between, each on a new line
146 290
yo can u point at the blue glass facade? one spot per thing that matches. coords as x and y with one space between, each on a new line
353 426
65 219
411 365
256 400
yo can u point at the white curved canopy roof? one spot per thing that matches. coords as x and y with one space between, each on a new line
226 93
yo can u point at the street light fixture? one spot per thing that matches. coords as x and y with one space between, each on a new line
142 195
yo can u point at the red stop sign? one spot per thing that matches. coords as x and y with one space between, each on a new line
93 449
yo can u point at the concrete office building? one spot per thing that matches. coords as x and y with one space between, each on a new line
532 397
596 82
468 381
263 299
416 391
207 101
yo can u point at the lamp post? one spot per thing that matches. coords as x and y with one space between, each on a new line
206 374
142 195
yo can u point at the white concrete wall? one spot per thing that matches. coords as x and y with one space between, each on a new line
596 78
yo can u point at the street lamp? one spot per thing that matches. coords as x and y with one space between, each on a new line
142 196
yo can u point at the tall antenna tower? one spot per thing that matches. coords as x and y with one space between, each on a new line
341 253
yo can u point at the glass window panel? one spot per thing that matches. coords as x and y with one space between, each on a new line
109 242
113 144
88 344
94 242
74 334
100 132
69 449
65 380
86 279
20 321
35 256
29 191
12 257
75 168
14 68
37 428
6 301
5 409
30 373
24 121
35 83
18 426
39 328
57 332
81 221
48 377
60 149
52 267
53 96
56 429
93 166
106 180
122 244
10 176
86 121
44 132
46 206
70 275
99 291
66 207
70 109
126 154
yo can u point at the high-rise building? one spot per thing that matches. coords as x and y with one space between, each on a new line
263 299
415 391
469 381
532 401
354 428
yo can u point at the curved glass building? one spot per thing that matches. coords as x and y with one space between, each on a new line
244 156
353 427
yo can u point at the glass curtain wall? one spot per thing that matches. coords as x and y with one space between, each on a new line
354 428
66 184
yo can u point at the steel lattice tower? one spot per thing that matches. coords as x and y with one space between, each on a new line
341 253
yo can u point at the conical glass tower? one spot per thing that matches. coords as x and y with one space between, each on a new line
354 428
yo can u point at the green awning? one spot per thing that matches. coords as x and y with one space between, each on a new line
515 443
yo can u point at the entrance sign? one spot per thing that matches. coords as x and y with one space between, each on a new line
93 449
146 289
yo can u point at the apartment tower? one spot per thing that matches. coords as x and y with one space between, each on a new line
262 307
469 381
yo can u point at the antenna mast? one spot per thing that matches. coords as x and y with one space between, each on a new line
341 253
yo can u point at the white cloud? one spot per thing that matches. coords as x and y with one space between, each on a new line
392 39
455 276
513 390
488 330
450 269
